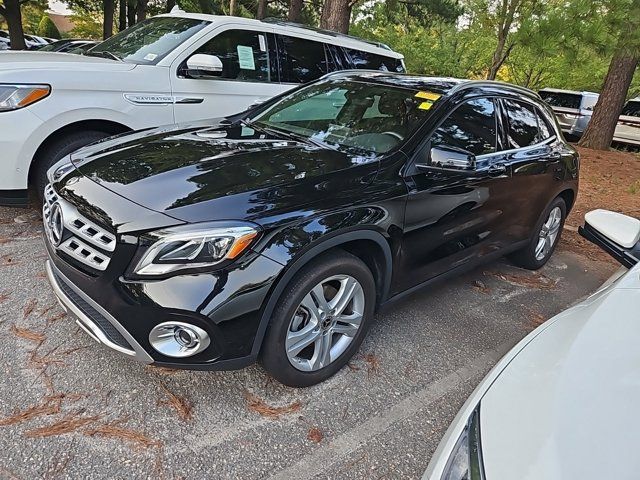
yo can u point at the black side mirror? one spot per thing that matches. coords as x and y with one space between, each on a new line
444 156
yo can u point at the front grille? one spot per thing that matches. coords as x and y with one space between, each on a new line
80 238
111 332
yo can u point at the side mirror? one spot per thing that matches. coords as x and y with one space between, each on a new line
615 233
201 65
444 156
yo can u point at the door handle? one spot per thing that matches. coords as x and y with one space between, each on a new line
496 169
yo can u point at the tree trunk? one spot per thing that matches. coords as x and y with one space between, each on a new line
232 7
141 10
599 132
262 9
505 14
295 11
122 15
131 13
170 5
108 9
336 15
13 16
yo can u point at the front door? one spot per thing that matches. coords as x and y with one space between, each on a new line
456 215
247 76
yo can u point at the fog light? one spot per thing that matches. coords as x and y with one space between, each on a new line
178 339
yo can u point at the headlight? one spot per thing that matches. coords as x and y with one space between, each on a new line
13 97
465 461
193 246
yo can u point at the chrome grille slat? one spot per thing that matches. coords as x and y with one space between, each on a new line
85 234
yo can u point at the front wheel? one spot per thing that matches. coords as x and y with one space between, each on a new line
320 320
545 238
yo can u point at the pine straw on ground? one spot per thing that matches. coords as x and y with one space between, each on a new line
259 406
114 430
29 307
373 363
68 424
48 407
608 180
533 280
181 405
27 334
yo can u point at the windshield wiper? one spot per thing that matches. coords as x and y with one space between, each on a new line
288 134
104 54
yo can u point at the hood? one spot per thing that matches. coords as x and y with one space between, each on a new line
15 61
221 172
566 406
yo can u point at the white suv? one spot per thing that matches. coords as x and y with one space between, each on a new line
167 69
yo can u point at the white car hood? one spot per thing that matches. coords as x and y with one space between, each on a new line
47 61
566 406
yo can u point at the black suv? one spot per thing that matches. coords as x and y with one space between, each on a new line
277 233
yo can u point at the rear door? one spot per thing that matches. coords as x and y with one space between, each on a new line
628 127
534 155
455 216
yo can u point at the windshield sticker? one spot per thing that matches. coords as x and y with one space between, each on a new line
428 96
150 57
245 58
263 43
425 105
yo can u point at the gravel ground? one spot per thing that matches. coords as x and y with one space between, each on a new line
70 408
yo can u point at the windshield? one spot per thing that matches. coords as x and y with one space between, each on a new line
371 117
149 41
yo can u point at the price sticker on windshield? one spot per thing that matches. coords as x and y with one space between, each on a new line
428 96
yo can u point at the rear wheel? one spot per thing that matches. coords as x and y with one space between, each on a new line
545 238
59 149
321 320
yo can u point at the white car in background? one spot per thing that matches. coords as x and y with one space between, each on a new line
168 69
628 126
563 403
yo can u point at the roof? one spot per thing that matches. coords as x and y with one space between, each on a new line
297 29
559 90
441 85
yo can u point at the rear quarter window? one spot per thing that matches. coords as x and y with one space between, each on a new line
563 100
371 61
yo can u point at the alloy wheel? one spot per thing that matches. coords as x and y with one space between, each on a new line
548 233
325 323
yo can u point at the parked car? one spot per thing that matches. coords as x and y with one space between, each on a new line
30 43
168 69
4 44
277 232
573 109
67 44
36 40
82 49
628 127
561 404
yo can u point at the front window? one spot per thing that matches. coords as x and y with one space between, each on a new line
374 118
149 41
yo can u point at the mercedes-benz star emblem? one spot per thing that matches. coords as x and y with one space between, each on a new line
56 225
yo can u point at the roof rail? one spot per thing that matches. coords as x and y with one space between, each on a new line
492 83
286 23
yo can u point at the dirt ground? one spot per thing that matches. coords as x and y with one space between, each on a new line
609 180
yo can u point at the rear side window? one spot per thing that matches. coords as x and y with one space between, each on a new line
631 109
561 99
371 61
301 60
243 54
471 127
522 128
545 130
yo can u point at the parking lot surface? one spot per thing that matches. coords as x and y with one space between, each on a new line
70 408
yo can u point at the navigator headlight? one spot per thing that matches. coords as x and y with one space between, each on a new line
15 96
465 461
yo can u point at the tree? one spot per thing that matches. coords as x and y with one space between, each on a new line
122 15
504 18
232 7
108 11
141 10
10 10
262 9
599 132
295 11
47 28
336 15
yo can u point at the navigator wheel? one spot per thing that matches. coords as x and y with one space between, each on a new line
545 238
320 321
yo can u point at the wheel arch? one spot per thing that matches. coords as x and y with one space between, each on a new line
569 197
369 246
107 126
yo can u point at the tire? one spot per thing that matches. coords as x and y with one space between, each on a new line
530 256
334 272
59 149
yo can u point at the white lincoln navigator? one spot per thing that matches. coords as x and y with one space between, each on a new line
167 69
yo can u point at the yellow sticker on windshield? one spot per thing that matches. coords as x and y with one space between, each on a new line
428 96
425 105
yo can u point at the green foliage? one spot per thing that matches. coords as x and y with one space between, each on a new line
87 25
46 28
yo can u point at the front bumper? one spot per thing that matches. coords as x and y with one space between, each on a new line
92 318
